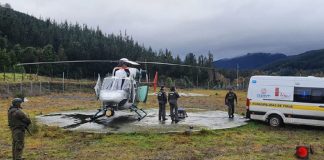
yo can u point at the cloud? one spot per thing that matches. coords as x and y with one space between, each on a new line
227 28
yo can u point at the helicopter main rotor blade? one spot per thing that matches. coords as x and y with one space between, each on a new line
60 62
113 61
129 61
174 64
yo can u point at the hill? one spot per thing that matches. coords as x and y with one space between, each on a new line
249 61
311 61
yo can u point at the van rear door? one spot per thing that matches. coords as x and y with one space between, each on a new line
267 97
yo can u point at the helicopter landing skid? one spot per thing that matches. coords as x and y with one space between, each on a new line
102 112
137 111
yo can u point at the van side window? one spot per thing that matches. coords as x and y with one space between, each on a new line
302 94
309 95
317 96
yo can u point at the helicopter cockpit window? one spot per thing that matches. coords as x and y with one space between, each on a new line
116 84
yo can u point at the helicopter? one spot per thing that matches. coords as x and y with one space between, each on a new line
122 90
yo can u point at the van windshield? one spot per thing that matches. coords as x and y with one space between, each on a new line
116 84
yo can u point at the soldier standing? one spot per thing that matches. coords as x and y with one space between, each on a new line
162 98
18 122
173 98
229 101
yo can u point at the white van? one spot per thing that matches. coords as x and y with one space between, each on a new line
278 100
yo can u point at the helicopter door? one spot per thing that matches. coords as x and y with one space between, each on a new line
142 92
97 88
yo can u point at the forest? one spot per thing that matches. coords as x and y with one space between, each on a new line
24 38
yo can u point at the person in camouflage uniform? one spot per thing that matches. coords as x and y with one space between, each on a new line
229 101
18 122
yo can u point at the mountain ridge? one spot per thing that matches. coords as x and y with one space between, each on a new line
249 61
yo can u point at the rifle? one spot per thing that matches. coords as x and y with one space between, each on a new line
27 129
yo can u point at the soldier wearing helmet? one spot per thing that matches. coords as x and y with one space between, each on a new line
229 101
18 122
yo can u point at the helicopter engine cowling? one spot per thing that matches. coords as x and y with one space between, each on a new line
113 97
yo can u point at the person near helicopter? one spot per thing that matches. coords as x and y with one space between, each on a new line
229 101
18 123
162 99
122 69
173 101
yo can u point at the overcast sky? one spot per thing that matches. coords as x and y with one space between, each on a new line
227 28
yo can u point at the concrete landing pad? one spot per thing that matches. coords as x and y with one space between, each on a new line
126 122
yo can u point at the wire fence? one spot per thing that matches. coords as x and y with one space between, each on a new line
12 84
33 88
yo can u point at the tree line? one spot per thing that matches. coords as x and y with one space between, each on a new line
24 38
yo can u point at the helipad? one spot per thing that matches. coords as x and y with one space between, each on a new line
126 122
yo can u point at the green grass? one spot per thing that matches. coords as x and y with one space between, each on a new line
18 77
253 141
11 77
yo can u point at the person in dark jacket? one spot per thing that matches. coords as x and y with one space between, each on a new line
162 98
18 122
173 101
229 101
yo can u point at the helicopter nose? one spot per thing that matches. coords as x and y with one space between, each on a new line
112 96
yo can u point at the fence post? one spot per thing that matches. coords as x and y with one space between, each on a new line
30 74
40 87
49 86
79 86
63 82
31 87
14 74
4 73
21 89
8 90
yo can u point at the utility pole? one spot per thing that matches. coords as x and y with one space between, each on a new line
237 75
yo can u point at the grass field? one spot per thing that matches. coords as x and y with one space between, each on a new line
253 141
18 77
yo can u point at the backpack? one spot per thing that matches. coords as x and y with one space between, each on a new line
160 96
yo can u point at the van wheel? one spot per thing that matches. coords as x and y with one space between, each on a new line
275 121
